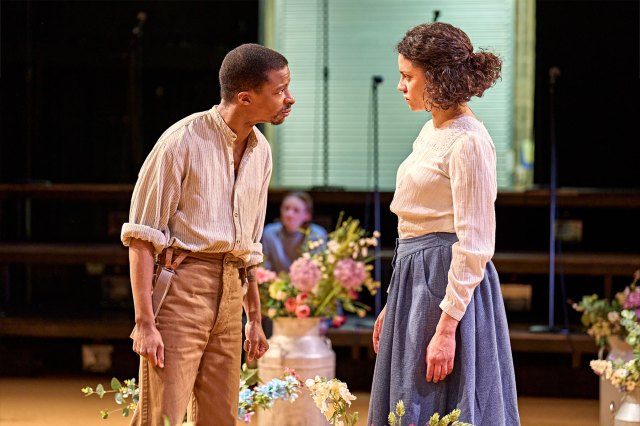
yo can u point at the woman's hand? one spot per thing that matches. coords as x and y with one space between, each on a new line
377 329
147 342
441 349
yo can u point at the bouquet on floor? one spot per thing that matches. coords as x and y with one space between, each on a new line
328 272
624 375
333 398
602 317
253 395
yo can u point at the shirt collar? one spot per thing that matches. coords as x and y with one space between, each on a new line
229 134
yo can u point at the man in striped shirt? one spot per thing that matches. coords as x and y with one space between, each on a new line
199 206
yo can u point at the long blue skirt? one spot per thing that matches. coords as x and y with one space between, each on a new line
482 384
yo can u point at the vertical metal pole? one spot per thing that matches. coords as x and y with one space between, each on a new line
376 192
325 92
553 184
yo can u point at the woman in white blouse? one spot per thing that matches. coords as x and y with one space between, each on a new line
442 339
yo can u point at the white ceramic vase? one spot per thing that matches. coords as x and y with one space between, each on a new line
610 396
628 413
296 343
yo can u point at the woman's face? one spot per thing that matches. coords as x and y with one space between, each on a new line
293 213
412 84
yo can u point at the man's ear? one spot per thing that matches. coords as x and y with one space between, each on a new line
244 98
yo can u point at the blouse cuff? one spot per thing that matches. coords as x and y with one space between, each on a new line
144 233
449 307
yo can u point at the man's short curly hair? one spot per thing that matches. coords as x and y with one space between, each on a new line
246 68
454 72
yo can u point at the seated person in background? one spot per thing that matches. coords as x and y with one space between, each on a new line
283 242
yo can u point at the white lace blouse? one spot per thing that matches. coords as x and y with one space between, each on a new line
448 184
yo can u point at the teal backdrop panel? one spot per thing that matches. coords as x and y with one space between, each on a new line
362 35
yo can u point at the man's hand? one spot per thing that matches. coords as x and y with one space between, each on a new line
377 329
147 342
255 343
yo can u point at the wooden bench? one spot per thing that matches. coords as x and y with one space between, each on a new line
356 336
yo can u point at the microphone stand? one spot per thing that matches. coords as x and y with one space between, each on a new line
135 97
376 80
554 73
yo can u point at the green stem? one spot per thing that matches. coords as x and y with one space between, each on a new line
326 300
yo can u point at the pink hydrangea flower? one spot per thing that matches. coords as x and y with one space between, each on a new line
632 298
305 274
349 273
264 275
303 311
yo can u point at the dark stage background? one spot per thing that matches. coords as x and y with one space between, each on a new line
67 91
595 44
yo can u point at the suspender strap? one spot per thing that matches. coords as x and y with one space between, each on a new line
163 280
173 265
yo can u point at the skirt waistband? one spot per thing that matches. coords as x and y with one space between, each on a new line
408 246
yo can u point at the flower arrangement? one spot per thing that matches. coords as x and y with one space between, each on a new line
602 317
623 375
395 418
333 399
121 393
327 272
253 395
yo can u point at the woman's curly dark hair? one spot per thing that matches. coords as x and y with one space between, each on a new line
454 72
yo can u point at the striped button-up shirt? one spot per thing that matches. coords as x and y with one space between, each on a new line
187 195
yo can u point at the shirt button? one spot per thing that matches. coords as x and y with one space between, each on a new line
237 241
235 214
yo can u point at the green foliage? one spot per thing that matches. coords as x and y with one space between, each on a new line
115 384
249 375
395 419
249 378
451 418
120 395
600 317
392 419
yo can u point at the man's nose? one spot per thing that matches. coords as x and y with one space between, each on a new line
290 99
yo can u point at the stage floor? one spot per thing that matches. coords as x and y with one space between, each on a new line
57 401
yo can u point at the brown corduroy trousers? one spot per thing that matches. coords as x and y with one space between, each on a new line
201 326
